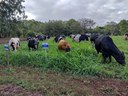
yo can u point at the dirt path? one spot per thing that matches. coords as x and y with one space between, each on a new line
13 90
24 81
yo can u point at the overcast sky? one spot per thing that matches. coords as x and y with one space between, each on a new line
101 11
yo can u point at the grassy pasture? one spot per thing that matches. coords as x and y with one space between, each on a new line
81 60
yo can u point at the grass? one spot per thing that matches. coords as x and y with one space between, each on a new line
81 60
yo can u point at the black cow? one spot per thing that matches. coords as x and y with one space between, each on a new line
93 37
83 37
105 45
29 37
56 38
33 44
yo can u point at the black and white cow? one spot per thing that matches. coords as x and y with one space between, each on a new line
79 37
72 36
58 37
106 46
33 44
126 36
47 36
14 43
41 37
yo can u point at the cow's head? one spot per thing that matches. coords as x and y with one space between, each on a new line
36 44
121 58
93 37
67 49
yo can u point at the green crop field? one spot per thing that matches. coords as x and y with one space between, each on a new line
81 60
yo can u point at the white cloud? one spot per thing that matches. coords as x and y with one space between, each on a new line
30 16
98 10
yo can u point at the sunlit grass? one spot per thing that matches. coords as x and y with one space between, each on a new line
82 59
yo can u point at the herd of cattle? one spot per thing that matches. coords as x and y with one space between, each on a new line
103 44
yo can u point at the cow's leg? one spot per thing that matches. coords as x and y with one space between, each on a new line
104 58
13 46
29 48
19 43
110 59
36 47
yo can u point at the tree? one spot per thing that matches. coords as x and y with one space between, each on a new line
123 26
54 27
11 12
86 24
99 30
112 28
73 26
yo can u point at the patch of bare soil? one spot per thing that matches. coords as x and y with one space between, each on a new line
56 84
13 90
4 40
104 87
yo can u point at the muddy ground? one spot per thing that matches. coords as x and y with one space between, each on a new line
24 81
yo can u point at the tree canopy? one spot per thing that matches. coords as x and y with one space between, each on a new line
13 23
11 12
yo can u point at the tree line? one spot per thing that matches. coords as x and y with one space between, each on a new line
13 23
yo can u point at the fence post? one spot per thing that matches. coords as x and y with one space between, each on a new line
45 47
6 47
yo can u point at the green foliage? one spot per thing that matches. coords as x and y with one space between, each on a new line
86 24
33 34
112 28
123 26
24 28
100 30
73 26
11 12
54 27
82 59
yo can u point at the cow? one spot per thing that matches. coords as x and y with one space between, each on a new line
64 45
56 39
47 36
80 37
14 43
126 36
93 37
41 37
33 44
106 46
72 36
29 37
